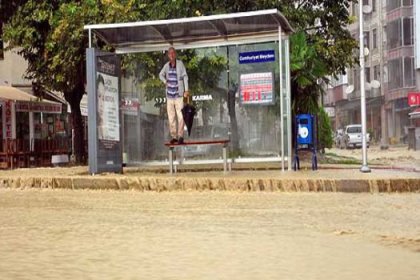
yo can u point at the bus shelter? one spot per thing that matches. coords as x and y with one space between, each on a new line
250 100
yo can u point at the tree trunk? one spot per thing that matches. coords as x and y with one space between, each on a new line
233 121
74 97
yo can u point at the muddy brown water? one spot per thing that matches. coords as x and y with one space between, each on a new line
64 234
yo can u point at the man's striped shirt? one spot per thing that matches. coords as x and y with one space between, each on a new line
172 90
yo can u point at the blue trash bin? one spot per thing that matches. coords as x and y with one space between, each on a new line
305 135
305 124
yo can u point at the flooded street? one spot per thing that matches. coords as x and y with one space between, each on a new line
64 234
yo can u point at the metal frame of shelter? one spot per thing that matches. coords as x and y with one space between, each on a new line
200 32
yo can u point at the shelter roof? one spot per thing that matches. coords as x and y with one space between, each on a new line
193 32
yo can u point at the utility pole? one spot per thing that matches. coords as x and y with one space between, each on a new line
384 119
365 168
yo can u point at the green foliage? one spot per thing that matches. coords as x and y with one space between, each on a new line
203 69
306 71
50 36
9 8
325 133
304 63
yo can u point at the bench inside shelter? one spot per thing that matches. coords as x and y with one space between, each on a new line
223 142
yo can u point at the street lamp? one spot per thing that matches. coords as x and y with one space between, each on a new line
365 168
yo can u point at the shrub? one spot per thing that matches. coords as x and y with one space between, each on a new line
325 137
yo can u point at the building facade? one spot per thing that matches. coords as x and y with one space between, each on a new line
32 127
391 69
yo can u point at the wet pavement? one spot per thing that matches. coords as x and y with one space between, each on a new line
95 234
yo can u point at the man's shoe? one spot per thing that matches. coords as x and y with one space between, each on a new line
173 141
181 140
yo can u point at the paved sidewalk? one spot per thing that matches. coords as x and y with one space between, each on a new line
330 178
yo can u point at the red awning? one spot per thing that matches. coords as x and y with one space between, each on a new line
26 102
15 94
415 114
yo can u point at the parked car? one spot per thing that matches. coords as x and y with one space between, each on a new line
352 137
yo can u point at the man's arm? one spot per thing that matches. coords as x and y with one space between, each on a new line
162 74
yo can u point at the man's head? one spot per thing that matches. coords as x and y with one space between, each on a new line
172 54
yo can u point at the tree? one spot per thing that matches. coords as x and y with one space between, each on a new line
325 138
321 47
323 21
9 8
50 36
307 69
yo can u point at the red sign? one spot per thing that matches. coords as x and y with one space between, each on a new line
8 120
414 98
130 106
45 107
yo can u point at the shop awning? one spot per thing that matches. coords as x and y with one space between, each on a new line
26 102
415 114
194 32
15 94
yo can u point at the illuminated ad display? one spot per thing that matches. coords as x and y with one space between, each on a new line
256 88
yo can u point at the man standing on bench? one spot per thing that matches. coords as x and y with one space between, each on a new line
174 76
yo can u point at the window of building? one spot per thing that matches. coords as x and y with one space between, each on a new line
409 72
373 5
401 73
350 78
374 39
395 77
392 5
384 38
366 40
365 2
354 11
356 79
408 32
394 36
395 4
367 74
407 3
377 72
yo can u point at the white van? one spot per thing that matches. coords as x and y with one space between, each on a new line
352 137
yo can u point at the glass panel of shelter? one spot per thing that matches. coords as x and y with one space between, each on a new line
259 125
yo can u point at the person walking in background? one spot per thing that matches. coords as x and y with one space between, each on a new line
174 76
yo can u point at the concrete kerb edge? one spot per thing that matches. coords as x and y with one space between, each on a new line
161 184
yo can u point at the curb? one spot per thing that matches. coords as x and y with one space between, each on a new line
161 184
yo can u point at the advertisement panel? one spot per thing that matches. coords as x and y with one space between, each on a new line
256 88
108 105
103 76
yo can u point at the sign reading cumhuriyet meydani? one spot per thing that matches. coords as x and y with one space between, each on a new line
257 57
105 148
